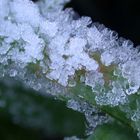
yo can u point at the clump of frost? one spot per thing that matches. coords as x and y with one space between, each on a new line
4 8
26 44
107 58
66 61
34 36
131 72
24 8
94 79
51 6
112 97
93 115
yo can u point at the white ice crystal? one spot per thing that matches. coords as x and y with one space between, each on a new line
94 78
49 28
4 9
107 58
92 114
70 58
51 5
115 97
131 72
24 11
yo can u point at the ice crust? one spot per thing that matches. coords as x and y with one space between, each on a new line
47 48
61 44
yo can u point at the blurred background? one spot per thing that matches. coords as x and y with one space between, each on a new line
26 115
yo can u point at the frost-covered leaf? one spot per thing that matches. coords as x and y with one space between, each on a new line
72 59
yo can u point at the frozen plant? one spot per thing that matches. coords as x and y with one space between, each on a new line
58 53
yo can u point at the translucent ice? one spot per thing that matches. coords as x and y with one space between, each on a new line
93 115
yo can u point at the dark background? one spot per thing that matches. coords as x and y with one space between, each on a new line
122 16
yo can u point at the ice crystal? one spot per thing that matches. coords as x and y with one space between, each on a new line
93 115
94 79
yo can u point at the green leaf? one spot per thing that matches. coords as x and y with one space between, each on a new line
28 109
113 131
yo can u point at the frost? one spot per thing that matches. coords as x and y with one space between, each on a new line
51 6
131 72
94 79
93 115
49 28
107 58
34 36
4 9
68 59
25 8
13 73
